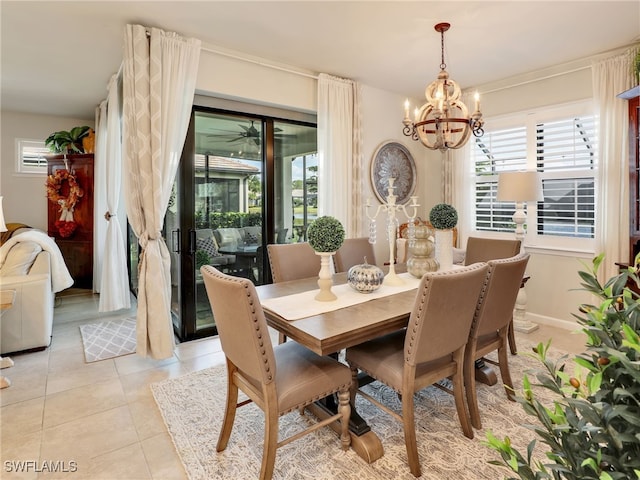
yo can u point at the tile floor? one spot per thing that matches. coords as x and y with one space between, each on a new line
101 417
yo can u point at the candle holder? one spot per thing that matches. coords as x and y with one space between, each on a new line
390 207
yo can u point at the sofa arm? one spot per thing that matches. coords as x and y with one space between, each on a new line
28 323
42 264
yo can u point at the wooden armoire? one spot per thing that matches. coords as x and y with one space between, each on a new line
77 249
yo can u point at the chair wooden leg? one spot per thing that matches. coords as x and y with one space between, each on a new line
281 338
504 371
470 390
458 395
229 411
344 408
270 443
512 339
408 421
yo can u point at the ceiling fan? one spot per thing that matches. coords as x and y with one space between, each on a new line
248 134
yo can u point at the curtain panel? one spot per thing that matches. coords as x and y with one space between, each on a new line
340 151
612 76
114 283
158 87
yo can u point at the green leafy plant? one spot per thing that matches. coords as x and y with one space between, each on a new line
202 258
67 141
593 427
443 216
325 234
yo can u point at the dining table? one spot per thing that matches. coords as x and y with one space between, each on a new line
329 327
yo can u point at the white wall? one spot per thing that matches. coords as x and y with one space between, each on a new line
25 198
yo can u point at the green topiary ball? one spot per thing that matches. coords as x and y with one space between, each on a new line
325 234
443 216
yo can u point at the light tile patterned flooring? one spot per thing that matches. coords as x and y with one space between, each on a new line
102 415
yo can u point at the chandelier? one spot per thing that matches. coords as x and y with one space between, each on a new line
444 121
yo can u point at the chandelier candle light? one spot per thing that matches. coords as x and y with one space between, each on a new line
444 121
391 208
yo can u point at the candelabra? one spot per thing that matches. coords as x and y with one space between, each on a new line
390 207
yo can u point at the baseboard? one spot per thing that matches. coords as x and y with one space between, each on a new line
554 322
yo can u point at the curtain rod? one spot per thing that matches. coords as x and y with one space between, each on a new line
257 62
537 79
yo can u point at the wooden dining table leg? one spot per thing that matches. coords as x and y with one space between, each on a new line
367 445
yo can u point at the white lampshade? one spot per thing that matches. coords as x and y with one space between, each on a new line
3 227
519 187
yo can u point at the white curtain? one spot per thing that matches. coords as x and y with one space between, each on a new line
340 152
612 76
114 293
158 87
459 182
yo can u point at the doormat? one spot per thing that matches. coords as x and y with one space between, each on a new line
109 339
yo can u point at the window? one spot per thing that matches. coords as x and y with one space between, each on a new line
30 156
561 144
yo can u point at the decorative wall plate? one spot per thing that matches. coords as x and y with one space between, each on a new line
393 160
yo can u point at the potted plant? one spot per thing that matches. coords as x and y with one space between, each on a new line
68 142
325 235
592 429
444 217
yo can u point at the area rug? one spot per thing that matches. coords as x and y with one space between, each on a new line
193 407
109 339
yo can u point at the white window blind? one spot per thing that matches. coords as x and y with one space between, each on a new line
30 156
561 144
495 152
567 149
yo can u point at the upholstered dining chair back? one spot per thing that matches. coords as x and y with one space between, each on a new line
353 251
441 318
485 249
279 379
491 322
431 349
292 261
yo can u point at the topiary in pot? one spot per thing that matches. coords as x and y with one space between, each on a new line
443 216
592 429
325 234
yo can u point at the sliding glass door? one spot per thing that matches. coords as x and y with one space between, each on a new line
244 181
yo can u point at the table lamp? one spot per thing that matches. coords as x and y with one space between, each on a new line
519 187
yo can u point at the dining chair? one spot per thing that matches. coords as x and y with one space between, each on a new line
354 251
485 249
279 379
489 330
429 350
292 261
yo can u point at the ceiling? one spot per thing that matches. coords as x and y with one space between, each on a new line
57 57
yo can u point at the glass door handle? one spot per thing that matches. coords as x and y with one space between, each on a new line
192 242
175 240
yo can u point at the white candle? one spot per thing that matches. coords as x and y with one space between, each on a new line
477 98
406 108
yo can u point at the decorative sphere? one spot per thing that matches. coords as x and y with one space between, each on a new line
325 234
443 216
365 278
